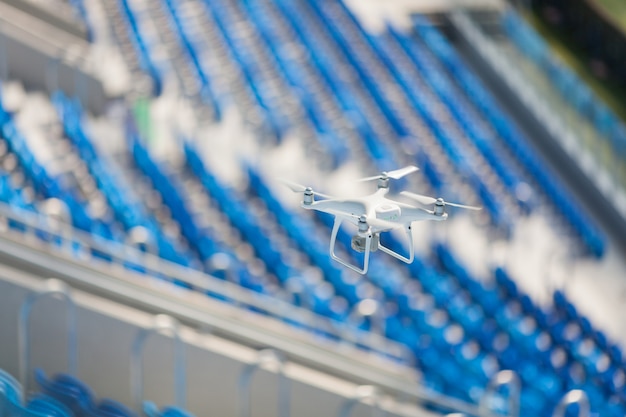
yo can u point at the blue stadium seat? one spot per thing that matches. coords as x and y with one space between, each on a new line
151 410
147 63
70 391
38 405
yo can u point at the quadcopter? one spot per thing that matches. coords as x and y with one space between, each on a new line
375 214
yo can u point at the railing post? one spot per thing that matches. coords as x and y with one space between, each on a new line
372 309
264 357
363 392
574 396
162 323
503 378
52 288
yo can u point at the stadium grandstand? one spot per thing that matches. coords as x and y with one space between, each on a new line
153 263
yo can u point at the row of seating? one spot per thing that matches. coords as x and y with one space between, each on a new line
126 207
47 186
11 402
381 128
202 239
552 342
260 79
43 187
451 142
601 358
316 99
483 138
142 46
570 86
195 49
566 314
590 234
264 78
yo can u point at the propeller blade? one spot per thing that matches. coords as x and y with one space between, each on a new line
323 195
422 199
463 206
296 188
402 172
396 174
375 177
299 188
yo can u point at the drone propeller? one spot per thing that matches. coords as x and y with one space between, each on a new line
425 200
396 175
298 188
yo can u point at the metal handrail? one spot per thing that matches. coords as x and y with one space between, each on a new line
363 392
503 378
265 357
75 242
574 396
52 288
162 323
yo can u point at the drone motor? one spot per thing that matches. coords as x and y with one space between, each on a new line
440 207
308 196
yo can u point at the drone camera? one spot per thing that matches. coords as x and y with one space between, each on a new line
358 243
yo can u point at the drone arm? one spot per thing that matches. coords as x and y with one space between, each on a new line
414 214
333 240
335 207
409 259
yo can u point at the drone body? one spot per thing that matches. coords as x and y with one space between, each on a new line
375 214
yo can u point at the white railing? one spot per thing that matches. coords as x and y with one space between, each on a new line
379 398
65 241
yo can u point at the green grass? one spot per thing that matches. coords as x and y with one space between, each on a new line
611 94
616 9
141 111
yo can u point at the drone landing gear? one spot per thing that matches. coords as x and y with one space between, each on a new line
364 243
409 259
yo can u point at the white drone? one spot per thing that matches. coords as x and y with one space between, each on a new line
374 214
